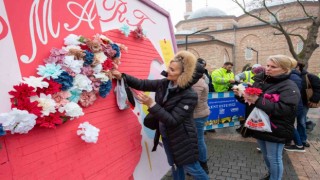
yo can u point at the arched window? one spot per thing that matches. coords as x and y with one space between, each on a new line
299 46
248 54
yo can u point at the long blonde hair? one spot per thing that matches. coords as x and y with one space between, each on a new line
285 62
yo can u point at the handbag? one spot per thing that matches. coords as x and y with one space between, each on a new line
309 93
245 132
129 92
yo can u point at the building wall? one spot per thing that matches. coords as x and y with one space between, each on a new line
252 33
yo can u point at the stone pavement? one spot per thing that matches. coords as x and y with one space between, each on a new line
233 157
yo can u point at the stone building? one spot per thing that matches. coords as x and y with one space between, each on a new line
242 39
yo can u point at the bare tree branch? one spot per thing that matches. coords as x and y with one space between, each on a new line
291 34
305 12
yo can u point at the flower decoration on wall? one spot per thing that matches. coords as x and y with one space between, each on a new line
72 78
139 33
125 29
88 132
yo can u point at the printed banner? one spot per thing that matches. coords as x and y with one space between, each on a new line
225 110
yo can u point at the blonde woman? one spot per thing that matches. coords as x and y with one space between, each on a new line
172 113
275 80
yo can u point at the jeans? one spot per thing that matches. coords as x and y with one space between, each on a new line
178 171
201 144
301 125
272 155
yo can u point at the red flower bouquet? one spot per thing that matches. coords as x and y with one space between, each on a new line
253 91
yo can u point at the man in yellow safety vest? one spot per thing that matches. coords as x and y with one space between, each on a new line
246 76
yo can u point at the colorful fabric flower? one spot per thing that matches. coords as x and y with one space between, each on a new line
74 65
22 91
94 45
88 132
98 68
2 132
117 49
107 65
53 87
109 51
31 107
102 76
75 95
100 57
56 55
82 82
47 103
61 98
65 80
105 39
87 98
50 121
125 29
72 39
35 82
88 58
49 70
105 88
18 121
87 70
72 109
272 97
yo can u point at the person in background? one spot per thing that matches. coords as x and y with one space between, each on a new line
200 115
275 80
256 70
246 76
223 78
303 111
295 76
208 79
172 112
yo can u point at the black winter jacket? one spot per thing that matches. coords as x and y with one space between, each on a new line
177 115
282 113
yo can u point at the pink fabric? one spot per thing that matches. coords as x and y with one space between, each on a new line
272 97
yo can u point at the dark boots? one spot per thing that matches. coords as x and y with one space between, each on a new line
204 166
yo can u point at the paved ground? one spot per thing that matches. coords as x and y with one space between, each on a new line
233 157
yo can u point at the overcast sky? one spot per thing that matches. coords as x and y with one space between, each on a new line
177 8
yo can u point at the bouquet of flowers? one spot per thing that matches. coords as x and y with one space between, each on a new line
250 93
71 78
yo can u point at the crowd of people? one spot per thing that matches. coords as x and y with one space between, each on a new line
180 110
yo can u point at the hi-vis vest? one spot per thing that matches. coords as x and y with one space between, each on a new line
249 75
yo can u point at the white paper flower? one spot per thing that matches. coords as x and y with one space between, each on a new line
241 88
82 82
74 65
18 121
72 39
88 132
97 68
100 56
72 109
35 82
103 37
67 48
47 104
102 77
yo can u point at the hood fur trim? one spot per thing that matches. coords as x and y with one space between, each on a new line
189 62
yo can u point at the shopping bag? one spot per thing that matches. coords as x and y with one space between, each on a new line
258 120
121 95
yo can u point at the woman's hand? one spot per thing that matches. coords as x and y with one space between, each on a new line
250 99
144 99
117 74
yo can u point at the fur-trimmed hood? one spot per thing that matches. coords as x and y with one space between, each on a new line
192 70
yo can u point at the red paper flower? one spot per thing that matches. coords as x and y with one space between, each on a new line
253 91
53 88
50 121
107 65
22 91
31 107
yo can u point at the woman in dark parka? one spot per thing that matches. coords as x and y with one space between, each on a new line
275 80
172 111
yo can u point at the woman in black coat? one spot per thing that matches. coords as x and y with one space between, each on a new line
275 80
171 112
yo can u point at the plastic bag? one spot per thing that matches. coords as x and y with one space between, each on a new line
121 95
258 120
